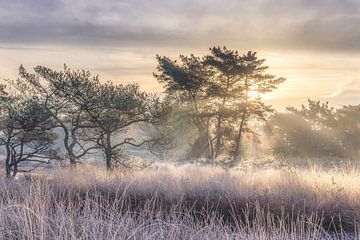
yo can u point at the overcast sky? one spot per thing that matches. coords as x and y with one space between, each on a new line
314 44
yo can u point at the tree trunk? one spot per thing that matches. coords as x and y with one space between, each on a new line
72 159
219 120
210 146
8 159
218 137
108 152
69 147
237 152
15 170
109 166
203 145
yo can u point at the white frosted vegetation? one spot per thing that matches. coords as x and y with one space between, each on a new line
183 203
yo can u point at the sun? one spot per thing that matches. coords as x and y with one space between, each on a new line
255 94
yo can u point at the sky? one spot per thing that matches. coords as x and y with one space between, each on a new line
314 44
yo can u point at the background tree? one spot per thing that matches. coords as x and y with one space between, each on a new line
348 129
238 84
26 136
316 129
319 114
294 136
256 81
112 110
225 89
56 91
217 91
185 83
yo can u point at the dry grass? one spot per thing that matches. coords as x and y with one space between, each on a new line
184 202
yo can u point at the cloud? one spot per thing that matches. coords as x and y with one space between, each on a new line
347 93
119 38
323 24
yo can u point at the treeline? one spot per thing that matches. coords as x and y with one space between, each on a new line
90 115
218 112
210 108
316 130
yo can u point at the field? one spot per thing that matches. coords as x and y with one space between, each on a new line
183 202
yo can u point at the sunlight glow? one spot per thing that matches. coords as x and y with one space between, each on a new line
264 96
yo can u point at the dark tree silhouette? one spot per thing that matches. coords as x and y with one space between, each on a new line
255 79
26 136
216 92
112 110
224 88
186 82
56 91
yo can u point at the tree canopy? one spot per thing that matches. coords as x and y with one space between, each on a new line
216 93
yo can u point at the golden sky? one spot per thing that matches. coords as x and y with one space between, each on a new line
314 44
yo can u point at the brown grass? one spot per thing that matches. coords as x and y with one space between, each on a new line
187 202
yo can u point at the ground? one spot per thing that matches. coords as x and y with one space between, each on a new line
184 202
